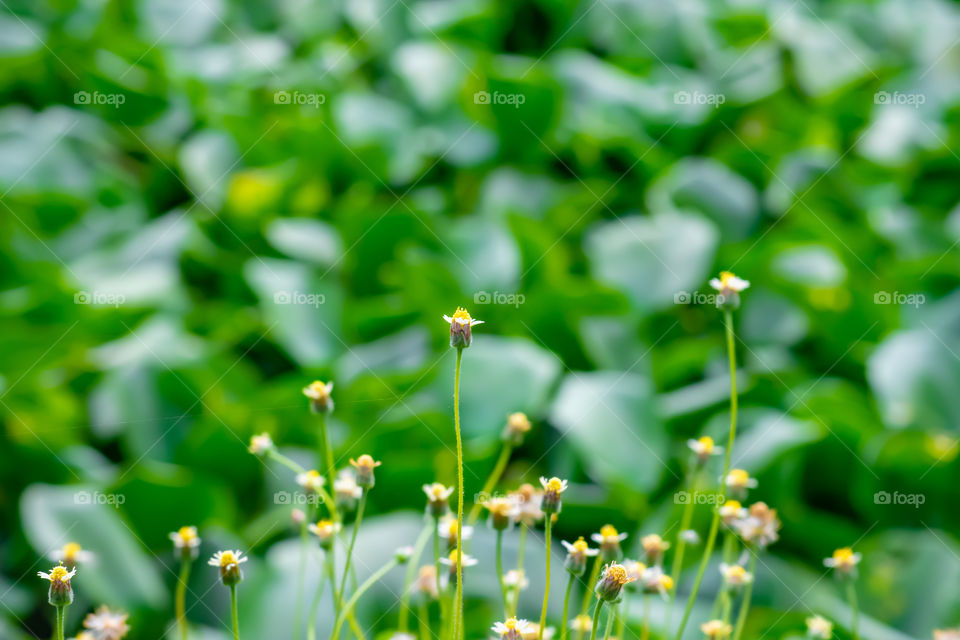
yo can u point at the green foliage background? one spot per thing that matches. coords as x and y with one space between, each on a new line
809 146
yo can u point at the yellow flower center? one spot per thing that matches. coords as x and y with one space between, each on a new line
736 572
437 490
452 529
227 558
580 546
618 574
608 531
733 505
706 442
739 476
461 314
187 533
667 582
843 555
555 484
325 526
511 623
71 550
58 574
726 277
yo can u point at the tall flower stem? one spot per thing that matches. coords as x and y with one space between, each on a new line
566 603
348 607
412 565
715 523
353 542
591 581
685 519
623 610
611 614
548 523
233 612
521 547
491 482
646 618
503 586
458 609
423 617
441 595
61 616
596 618
747 593
312 621
326 456
854 607
181 594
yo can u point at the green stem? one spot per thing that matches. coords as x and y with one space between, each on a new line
521 547
456 418
441 595
382 571
685 519
491 481
715 523
503 586
301 576
412 565
548 523
326 453
315 605
611 614
353 542
747 592
61 616
233 610
855 608
646 618
729 553
566 603
181 594
596 619
423 617
623 610
591 581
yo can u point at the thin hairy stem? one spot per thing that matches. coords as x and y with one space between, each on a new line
548 523
715 523
234 612
353 542
412 565
348 607
181 594
458 610
566 604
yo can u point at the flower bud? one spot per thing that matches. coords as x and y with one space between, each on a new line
611 582
61 592
577 554
502 512
229 564
552 489
365 465
728 287
460 328
438 499
326 531
321 400
403 554
517 427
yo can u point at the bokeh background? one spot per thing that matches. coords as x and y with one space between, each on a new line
205 204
